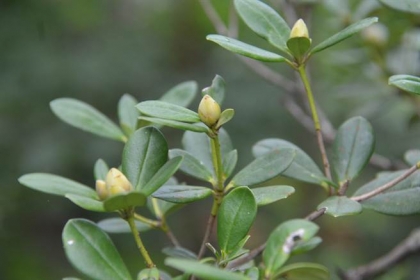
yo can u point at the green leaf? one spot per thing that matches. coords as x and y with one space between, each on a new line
402 199
245 49
298 46
149 274
178 125
163 175
229 163
128 114
282 240
118 225
86 117
264 21
409 6
182 193
165 207
305 246
253 273
124 201
168 111
302 271
216 90
302 168
100 170
56 185
86 202
412 157
352 148
267 195
264 168
144 154
92 252
179 252
406 82
225 117
192 166
236 216
203 271
181 94
344 34
338 206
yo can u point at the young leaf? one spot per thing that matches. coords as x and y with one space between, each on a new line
253 273
85 117
179 252
192 166
409 6
353 146
305 246
264 168
344 34
164 207
144 154
216 90
56 185
412 157
177 124
264 21
203 271
298 46
128 114
245 49
118 225
149 274
300 271
168 111
181 94
182 193
267 195
86 202
100 169
225 117
92 252
229 163
338 206
124 201
282 241
236 216
406 82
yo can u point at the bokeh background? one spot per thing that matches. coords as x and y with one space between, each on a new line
98 50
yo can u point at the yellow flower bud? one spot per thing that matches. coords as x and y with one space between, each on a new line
299 30
101 190
209 110
116 180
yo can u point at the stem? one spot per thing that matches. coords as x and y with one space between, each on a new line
210 224
317 124
152 223
139 243
163 224
217 162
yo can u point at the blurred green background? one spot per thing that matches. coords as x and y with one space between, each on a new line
98 50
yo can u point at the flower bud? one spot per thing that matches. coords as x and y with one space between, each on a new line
209 110
115 180
299 30
101 190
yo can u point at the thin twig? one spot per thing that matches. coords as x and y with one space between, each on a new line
233 28
316 214
214 17
209 228
343 188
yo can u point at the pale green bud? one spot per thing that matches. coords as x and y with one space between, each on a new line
209 111
299 30
101 190
115 180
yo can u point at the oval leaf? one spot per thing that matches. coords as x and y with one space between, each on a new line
338 206
192 166
177 124
225 117
406 82
124 201
216 90
264 168
100 169
229 163
409 6
86 202
179 252
245 49
128 114
92 252
182 193
168 111
300 271
118 225
181 94
298 46
352 148
149 274
86 117
267 195
412 157
236 216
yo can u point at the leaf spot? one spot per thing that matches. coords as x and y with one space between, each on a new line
292 239
70 242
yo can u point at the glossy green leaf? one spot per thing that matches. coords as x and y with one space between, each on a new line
163 174
216 90
144 154
245 49
86 202
344 34
225 117
203 271
302 168
305 246
264 167
402 199
338 206
118 225
177 124
182 193
192 166
92 252
229 163
236 216
409 6
124 201
406 82
299 46
181 94
149 274
168 111
264 21
282 240
412 157
267 195
100 169
86 117
179 252
353 146
304 271
56 185
128 114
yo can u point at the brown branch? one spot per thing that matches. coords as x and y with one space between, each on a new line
409 246
209 228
